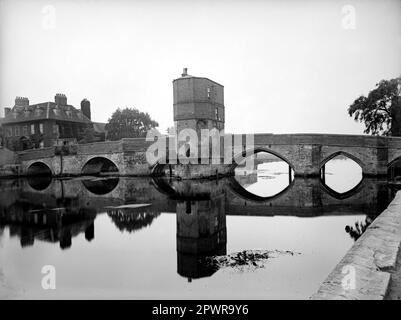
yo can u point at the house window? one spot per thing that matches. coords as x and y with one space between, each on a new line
40 127
32 129
17 131
10 132
24 130
208 92
216 111
55 129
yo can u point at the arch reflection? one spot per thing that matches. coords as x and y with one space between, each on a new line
101 186
39 183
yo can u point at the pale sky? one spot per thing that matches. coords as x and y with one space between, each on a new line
287 66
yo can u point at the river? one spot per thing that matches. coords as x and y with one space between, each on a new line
137 238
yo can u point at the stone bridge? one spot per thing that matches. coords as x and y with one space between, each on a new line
306 154
123 157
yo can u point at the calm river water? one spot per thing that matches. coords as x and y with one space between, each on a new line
258 236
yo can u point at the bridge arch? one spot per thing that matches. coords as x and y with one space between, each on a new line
394 161
99 165
102 186
39 168
249 152
244 194
394 169
346 154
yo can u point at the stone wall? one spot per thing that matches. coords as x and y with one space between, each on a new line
365 271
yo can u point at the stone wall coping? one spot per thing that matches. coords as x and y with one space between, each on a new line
373 257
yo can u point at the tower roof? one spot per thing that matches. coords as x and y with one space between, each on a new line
185 75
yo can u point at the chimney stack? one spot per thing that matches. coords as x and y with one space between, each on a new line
86 108
21 101
185 72
7 110
60 99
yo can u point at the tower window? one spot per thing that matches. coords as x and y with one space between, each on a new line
188 207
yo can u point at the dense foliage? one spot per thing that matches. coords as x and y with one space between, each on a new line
129 123
380 110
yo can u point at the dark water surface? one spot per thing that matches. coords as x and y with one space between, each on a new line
155 238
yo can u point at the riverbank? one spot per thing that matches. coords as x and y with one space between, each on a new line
371 269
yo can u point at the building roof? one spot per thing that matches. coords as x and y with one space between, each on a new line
185 75
193 77
44 111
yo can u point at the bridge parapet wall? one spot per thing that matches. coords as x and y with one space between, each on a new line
36 154
321 139
100 147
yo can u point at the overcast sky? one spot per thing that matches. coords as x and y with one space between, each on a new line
287 66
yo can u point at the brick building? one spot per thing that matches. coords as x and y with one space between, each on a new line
198 103
44 124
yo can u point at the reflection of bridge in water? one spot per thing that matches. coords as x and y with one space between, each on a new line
38 217
303 197
58 210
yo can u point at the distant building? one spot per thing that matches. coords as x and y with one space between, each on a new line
45 124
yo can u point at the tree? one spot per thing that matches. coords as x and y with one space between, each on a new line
88 136
381 109
129 123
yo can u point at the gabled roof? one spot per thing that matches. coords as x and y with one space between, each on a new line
43 111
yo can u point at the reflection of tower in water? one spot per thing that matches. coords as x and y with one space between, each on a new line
201 232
